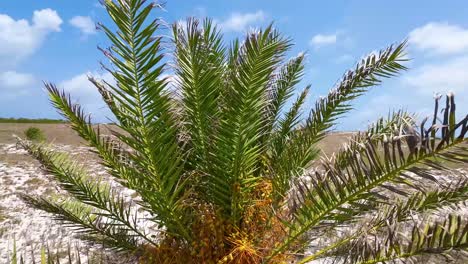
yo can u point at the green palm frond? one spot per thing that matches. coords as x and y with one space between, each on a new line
282 168
447 238
141 92
299 150
395 213
127 168
114 157
367 73
279 124
339 193
88 222
283 86
74 179
439 199
383 127
234 172
291 119
199 65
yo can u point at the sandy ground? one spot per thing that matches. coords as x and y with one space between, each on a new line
32 229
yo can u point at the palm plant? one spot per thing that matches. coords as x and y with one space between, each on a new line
223 167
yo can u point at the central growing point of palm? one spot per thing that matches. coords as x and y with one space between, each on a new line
222 164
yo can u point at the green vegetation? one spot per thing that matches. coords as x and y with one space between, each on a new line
32 121
223 166
2 216
34 134
49 256
35 182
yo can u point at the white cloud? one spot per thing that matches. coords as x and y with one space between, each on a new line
440 38
323 40
86 94
12 79
428 75
47 19
239 22
20 38
84 23
82 89
13 83
444 76
414 92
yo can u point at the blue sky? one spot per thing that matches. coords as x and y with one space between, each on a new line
55 40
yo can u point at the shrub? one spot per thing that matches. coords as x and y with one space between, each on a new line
222 165
34 134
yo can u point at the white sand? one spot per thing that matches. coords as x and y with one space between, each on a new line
31 228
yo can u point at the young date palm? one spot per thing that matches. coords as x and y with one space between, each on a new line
223 167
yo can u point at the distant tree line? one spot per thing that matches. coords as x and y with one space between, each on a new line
35 121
